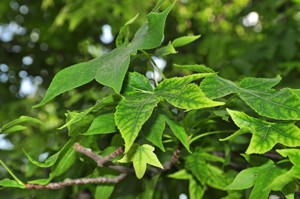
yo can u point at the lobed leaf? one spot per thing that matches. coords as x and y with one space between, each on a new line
259 177
109 69
141 156
265 134
257 93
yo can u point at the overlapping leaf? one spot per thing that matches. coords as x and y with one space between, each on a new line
257 93
259 176
15 124
110 69
265 134
286 179
141 156
102 124
11 183
140 99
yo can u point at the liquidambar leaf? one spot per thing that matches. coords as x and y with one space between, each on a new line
102 124
181 41
109 69
141 156
48 163
259 177
15 124
132 112
11 183
257 93
266 134
195 68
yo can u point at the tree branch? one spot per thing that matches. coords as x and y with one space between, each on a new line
58 185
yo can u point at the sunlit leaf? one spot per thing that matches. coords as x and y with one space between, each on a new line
257 93
265 134
181 41
141 156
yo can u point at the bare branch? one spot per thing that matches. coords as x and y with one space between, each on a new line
107 158
88 152
58 185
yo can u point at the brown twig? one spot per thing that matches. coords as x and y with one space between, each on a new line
58 185
107 158
168 165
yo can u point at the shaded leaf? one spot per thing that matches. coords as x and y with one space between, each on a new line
259 177
17 180
182 174
265 134
109 69
48 163
79 127
121 35
166 50
196 190
137 82
141 156
197 165
102 124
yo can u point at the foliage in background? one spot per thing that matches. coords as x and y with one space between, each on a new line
58 34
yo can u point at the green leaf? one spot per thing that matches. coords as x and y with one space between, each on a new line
110 69
259 177
178 92
119 40
166 50
104 191
241 131
181 41
182 174
17 180
179 132
14 125
140 156
137 82
11 183
80 126
102 124
131 113
197 165
196 190
48 163
150 185
154 127
64 161
265 134
257 93
111 100
195 68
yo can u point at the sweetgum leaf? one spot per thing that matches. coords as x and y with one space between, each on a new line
108 101
181 41
154 127
102 124
109 69
15 124
132 112
198 166
294 173
48 163
195 68
265 134
259 177
11 183
257 93
141 156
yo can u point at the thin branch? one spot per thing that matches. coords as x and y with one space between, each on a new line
88 152
58 185
107 158
168 165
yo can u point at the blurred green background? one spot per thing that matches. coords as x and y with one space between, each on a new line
39 38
